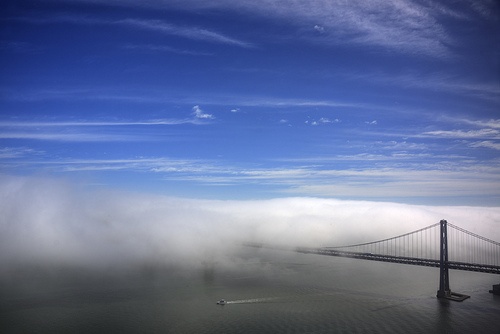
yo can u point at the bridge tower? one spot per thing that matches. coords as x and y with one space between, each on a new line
444 278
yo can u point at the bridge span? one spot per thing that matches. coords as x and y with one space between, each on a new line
484 268
442 245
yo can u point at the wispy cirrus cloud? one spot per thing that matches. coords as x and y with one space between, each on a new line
344 176
70 137
194 33
84 123
85 131
464 134
159 26
406 26
432 82
165 48
479 133
18 152
138 164
489 130
257 101
359 183
486 143
82 94
491 123
19 47
152 96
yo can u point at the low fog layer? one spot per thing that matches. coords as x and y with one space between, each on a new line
57 222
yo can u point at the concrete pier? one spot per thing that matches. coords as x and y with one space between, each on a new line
455 296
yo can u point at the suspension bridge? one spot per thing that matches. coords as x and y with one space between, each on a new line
441 245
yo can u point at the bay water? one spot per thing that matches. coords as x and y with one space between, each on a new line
267 291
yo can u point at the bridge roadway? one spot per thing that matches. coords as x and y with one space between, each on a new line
400 259
484 268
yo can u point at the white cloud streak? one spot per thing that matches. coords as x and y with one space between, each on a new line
70 137
492 123
71 131
83 123
17 152
186 32
398 175
463 134
193 33
487 144
165 48
486 133
436 82
404 25
158 97
407 26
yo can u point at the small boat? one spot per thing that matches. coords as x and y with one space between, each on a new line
221 302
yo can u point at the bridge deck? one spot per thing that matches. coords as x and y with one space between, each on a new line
401 259
484 268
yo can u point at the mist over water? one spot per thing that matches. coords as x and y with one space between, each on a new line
63 246
274 292
54 221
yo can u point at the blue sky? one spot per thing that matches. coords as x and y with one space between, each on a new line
367 100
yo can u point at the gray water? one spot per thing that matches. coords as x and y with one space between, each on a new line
273 292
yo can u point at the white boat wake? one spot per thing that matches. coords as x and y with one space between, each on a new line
250 301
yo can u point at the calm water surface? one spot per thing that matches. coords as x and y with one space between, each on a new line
271 292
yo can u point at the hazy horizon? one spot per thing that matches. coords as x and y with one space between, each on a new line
54 221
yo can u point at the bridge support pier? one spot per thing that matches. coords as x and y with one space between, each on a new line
444 278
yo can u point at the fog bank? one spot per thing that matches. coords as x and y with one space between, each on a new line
53 221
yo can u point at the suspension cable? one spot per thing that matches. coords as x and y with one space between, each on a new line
388 239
